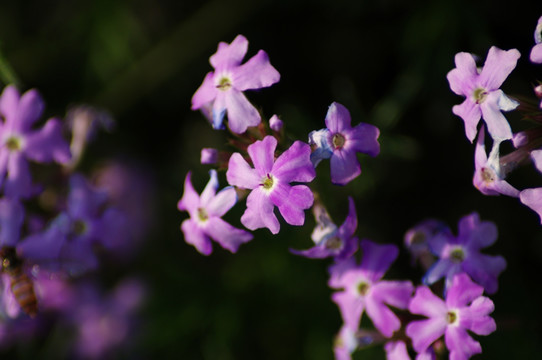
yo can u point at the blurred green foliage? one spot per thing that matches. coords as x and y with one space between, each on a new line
386 61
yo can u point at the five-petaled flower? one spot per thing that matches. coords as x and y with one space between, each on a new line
222 90
205 221
464 309
484 99
270 181
340 142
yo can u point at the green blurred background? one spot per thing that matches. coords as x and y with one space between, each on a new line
386 61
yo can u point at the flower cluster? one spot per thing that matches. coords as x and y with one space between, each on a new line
484 99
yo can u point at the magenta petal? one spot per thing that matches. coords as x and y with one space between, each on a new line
226 235
351 308
48 144
229 55
499 64
480 155
485 269
205 93
299 199
382 317
209 192
337 118
426 303
195 236
240 173
377 259
222 202
344 166
424 332
363 138
259 212
438 270
536 155
497 125
350 224
262 153
9 105
256 73
533 199
462 291
29 110
460 344
18 183
294 164
241 113
279 194
478 320
396 350
11 220
536 54
470 113
394 293
461 78
477 234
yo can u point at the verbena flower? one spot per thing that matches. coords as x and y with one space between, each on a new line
205 221
536 51
19 142
340 142
464 309
458 254
337 242
222 89
488 174
363 289
270 181
484 99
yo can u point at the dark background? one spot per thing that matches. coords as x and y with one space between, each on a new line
386 61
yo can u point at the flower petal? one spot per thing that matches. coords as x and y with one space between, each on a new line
347 229
533 199
48 144
294 164
394 293
222 202
190 200
462 291
497 125
460 344
226 235
499 64
351 308
206 92
470 112
338 118
259 212
29 110
210 189
195 236
256 73
377 258
462 78
363 138
240 173
428 304
241 113
262 153
383 318
299 199
18 183
344 166
11 220
424 332
229 55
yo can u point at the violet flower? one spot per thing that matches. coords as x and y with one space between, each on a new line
340 142
270 181
338 242
464 309
536 51
488 174
275 123
363 289
484 99
462 254
222 90
205 221
11 220
20 143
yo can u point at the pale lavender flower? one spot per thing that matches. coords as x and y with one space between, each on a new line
270 181
484 99
363 289
488 174
275 123
340 142
205 221
464 309
536 52
19 142
338 242
461 253
209 156
222 90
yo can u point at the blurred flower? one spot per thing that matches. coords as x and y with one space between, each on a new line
224 87
275 123
205 221
536 52
464 309
209 156
19 142
417 240
270 180
340 142
484 99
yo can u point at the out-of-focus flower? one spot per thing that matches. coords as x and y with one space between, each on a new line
340 142
209 156
223 88
270 181
20 143
536 51
417 240
275 123
205 222
464 309
484 98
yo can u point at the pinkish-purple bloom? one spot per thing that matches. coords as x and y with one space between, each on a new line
270 181
337 242
533 197
363 289
464 309
536 51
484 99
222 90
340 142
275 123
461 253
19 142
11 220
206 211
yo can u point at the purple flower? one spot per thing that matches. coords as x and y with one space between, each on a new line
11 220
223 89
363 289
205 221
488 175
275 123
536 52
484 99
464 309
397 350
270 181
417 240
19 142
462 254
337 242
209 156
340 142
